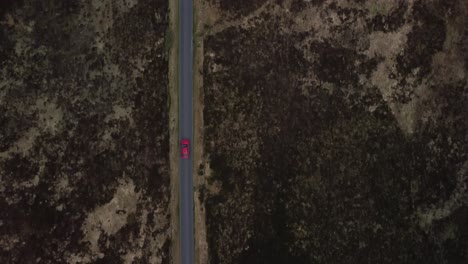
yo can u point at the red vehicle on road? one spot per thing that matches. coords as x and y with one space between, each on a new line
185 148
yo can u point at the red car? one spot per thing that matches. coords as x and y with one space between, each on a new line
185 148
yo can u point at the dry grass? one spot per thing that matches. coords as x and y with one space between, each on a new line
173 127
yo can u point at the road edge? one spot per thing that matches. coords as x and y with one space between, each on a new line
173 73
201 244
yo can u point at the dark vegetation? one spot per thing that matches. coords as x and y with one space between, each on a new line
83 101
311 158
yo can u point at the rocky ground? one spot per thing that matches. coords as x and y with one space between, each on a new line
84 141
335 131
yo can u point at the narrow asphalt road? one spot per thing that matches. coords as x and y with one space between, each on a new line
186 129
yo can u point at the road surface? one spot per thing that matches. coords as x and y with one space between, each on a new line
186 129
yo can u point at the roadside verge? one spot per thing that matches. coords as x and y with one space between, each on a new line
173 53
201 245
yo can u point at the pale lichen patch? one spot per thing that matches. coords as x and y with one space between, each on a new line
111 217
380 7
388 46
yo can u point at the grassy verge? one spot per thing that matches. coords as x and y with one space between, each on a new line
171 46
201 247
